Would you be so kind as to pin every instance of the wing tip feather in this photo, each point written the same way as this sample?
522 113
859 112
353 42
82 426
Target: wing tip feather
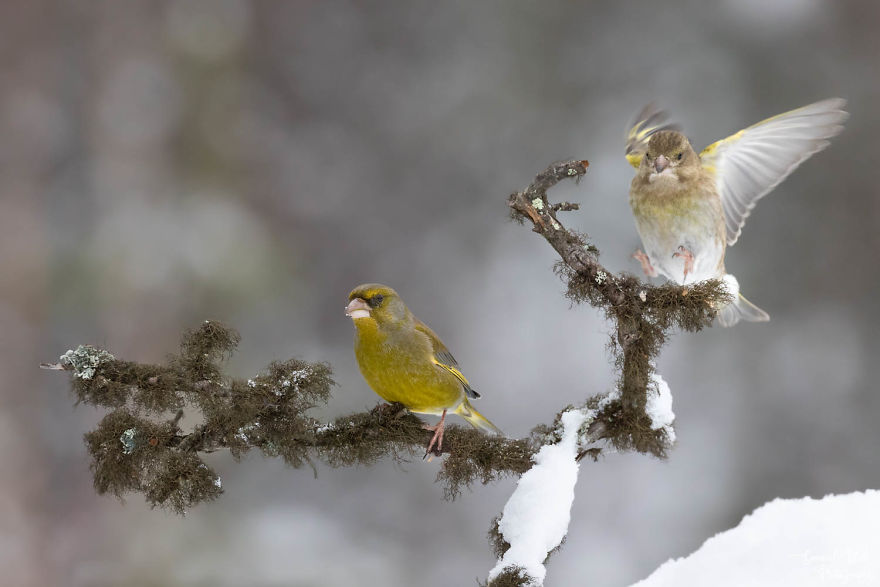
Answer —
824 119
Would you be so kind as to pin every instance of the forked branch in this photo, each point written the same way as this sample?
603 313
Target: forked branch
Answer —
140 447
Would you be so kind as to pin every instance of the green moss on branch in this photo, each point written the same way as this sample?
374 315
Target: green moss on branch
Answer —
139 446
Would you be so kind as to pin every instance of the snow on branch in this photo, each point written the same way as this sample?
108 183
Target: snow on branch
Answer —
659 407
535 519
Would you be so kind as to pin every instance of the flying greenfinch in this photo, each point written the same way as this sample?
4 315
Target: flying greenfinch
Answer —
689 208
404 361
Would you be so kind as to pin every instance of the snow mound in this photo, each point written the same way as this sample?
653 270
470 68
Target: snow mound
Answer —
805 542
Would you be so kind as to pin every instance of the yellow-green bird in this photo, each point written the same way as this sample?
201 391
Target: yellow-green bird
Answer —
689 208
404 361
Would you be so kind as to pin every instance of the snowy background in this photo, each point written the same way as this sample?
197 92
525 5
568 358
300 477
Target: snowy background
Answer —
167 162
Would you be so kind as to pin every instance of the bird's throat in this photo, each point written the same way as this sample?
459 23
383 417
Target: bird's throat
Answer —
666 176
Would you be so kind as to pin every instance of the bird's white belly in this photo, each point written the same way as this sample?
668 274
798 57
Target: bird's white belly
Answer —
708 253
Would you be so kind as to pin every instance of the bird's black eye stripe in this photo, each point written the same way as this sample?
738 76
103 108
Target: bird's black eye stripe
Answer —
679 156
375 300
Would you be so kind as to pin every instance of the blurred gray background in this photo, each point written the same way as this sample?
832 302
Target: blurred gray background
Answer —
167 162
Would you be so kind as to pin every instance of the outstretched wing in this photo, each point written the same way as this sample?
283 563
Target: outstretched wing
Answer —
749 164
647 122
444 359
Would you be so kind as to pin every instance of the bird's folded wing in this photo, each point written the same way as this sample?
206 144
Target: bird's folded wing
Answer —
647 122
444 359
747 165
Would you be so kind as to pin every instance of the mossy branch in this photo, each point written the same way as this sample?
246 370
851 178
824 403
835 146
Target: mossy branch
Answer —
643 314
139 446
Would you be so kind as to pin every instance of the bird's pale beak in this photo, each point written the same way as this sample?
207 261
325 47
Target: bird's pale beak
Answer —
660 163
357 308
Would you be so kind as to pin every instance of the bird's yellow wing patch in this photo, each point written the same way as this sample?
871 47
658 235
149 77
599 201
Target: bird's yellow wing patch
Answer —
444 359
748 164
458 374
649 121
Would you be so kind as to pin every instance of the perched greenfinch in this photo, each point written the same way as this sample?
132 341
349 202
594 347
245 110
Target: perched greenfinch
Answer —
404 361
689 208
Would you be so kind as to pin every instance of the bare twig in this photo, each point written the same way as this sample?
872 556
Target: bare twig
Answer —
532 203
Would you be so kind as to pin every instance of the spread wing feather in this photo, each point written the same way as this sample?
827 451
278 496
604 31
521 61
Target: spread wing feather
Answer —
444 359
750 163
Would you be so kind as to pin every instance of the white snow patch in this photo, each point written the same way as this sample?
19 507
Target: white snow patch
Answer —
659 406
613 395
731 283
805 542
536 517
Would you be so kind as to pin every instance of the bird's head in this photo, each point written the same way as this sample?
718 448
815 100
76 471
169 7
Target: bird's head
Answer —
374 301
668 154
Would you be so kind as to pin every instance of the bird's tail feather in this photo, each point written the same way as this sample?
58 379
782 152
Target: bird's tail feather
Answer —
741 309
475 418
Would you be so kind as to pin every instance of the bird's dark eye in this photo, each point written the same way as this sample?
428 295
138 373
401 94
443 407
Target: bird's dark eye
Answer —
375 301
647 155
679 156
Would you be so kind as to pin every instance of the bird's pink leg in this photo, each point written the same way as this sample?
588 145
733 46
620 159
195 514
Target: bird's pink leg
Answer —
646 263
688 260
438 434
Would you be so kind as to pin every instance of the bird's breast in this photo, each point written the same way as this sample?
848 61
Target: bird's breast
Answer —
399 368
690 217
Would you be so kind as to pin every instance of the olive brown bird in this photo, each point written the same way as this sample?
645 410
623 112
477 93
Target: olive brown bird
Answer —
689 208
404 361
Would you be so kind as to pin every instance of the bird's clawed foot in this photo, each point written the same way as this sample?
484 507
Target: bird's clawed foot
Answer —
437 438
646 263
688 260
